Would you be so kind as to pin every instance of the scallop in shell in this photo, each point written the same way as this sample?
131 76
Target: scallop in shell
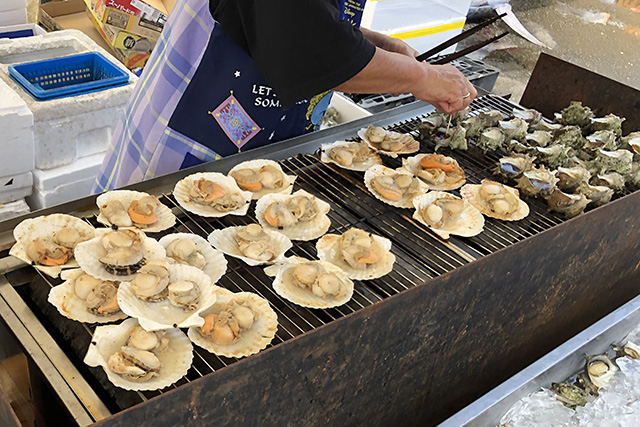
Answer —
191 249
394 187
251 243
299 216
262 177
237 325
126 208
139 369
388 142
362 255
212 194
437 171
49 242
495 200
356 156
447 214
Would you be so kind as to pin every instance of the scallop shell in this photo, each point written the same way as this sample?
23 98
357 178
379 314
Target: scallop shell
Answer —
176 359
328 248
216 262
472 221
412 164
154 316
42 226
372 160
225 240
413 147
257 164
166 218
304 296
254 339
378 170
302 230
64 298
89 253
470 193
181 193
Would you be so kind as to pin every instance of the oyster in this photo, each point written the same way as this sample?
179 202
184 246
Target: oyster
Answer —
212 194
609 122
613 180
394 187
570 178
600 369
539 138
484 119
554 156
545 125
513 166
575 114
537 182
604 139
251 243
437 171
598 195
571 395
569 205
616 161
583 381
429 125
631 142
356 156
495 200
632 179
569 136
125 208
262 177
456 140
193 250
631 350
388 142
447 214
530 116
514 129
516 147
491 139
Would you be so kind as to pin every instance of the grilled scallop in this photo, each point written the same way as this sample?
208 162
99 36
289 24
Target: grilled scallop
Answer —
262 177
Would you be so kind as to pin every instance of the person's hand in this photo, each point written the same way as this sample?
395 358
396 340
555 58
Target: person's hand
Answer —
446 88
391 44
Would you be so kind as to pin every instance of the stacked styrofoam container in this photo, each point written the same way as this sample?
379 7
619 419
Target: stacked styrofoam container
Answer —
70 134
13 12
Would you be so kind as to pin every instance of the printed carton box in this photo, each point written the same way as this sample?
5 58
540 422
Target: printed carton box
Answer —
144 19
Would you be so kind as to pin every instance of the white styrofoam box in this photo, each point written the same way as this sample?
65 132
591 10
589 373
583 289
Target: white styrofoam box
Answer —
15 187
35 29
13 209
81 169
13 16
16 137
61 194
12 4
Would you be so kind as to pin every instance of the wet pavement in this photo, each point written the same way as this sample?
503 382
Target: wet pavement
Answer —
599 35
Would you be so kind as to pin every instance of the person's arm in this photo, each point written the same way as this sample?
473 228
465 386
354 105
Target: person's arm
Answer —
390 44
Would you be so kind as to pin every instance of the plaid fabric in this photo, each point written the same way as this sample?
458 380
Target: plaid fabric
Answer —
143 146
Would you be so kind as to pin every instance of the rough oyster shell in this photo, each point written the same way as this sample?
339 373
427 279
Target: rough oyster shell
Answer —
569 136
288 180
538 182
429 125
166 218
575 114
407 143
513 166
416 188
308 230
485 119
252 340
46 227
358 164
631 142
456 139
216 264
553 156
183 187
450 180
570 178
225 240
471 193
608 122
88 254
64 298
491 139
599 194
604 139
540 138
469 222
616 161
175 360
530 116
613 180
154 316
569 205
515 128
545 125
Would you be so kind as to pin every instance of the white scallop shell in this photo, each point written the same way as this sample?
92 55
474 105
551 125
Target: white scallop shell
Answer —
252 340
414 147
64 298
44 226
302 230
470 193
328 248
304 296
257 164
372 160
225 240
412 164
216 264
175 360
166 218
181 193
471 220
154 316
379 170
89 253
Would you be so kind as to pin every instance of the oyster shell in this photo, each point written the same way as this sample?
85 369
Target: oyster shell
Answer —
264 246
600 369
539 138
495 200
484 119
388 142
437 171
515 128
604 139
598 195
632 179
616 161
215 264
569 136
545 125
575 114
568 204
571 395
237 325
394 187
537 182
513 166
609 122
530 116
571 178
515 147
262 177
554 156
446 214
613 180
174 361
49 242
362 255
212 194
356 156
456 140
123 207
491 139
631 142
430 124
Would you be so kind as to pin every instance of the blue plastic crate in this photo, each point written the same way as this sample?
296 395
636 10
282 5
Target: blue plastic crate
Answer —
67 76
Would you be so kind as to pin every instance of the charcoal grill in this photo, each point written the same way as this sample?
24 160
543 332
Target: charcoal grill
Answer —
452 320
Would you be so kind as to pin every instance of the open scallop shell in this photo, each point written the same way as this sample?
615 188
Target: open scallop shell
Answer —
413 147
304 296
64 298
182 188
216 264
175 360
253 339
225 240
257 164
302 230
471 221
371 160
166 218
89 253
154 316
46 226
328 248
457 177
469 192
404 202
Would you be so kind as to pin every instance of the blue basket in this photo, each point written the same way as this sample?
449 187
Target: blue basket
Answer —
67 76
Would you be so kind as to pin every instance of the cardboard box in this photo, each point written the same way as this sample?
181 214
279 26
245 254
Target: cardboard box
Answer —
145 19
119 39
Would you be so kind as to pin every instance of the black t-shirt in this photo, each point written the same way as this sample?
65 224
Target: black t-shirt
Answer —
299 46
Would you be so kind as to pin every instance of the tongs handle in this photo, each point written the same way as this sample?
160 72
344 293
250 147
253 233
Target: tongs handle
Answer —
468 50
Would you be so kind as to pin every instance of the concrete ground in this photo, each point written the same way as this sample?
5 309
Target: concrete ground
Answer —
600 35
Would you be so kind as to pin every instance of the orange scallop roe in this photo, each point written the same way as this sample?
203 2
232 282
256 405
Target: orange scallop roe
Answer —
431 163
